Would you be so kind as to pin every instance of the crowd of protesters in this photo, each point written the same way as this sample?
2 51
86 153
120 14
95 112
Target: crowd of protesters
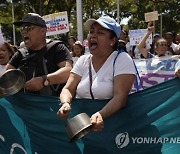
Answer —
171 40
108 72
167 45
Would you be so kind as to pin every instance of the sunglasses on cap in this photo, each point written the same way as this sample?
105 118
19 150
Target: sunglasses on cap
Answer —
27 28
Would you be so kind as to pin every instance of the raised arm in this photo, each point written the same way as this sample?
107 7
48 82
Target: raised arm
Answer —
142 44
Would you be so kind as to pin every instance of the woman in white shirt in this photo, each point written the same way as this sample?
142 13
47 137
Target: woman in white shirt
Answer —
6 52
96 71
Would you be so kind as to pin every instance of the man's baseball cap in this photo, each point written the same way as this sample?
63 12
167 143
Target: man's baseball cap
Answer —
106 22
32 18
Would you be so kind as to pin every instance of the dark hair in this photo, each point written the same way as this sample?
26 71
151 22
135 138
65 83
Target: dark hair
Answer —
79 44
112 35
72 37
10 48
169 33
125 32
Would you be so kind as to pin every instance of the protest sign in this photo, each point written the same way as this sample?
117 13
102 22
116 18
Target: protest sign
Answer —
151 16
135 36
57 23
155 70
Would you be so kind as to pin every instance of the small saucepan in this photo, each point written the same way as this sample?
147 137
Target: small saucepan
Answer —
78 126
11 82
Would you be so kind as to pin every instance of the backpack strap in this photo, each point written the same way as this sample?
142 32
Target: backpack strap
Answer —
50 45
26 57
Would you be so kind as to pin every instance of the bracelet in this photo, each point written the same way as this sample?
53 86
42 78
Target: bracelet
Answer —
65 102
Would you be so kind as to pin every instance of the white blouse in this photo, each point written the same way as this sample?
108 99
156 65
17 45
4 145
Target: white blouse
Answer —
2 69
102 81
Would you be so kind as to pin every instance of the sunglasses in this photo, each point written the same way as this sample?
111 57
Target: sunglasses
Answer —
27 28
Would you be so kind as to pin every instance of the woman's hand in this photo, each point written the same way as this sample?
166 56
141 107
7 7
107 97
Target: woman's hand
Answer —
97 122
150 27
63 112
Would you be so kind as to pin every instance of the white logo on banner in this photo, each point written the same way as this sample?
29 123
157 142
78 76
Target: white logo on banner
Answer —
122 140
15 145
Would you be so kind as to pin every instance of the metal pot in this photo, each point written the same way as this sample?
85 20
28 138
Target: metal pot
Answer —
11 82
78 126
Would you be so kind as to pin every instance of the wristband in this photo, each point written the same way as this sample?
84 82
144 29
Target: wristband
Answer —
67 102
64 103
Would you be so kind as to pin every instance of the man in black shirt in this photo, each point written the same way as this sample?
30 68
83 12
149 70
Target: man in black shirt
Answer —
45 67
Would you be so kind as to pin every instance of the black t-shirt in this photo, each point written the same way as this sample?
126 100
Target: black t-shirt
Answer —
31 62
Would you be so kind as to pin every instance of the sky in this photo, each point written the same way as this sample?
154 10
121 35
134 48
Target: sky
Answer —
124 21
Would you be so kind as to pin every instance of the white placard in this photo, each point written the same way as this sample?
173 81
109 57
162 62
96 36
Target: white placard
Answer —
151 16
57 23
135 36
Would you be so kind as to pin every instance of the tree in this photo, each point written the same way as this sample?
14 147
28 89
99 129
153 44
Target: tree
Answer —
169 9
93 9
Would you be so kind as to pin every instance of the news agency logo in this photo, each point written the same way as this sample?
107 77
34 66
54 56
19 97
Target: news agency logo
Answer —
122 140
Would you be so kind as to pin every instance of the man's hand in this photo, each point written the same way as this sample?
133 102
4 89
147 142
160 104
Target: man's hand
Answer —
35 84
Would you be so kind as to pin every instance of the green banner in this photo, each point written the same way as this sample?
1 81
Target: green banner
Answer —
148 124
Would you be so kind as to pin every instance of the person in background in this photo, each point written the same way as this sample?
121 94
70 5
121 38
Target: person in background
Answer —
123 40
46 70
160 46
77 51
173 49
122 45
124 36
71 41
177 39
85 44
6 52
156 37
96 72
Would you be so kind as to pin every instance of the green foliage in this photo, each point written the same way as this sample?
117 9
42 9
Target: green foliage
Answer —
94 9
